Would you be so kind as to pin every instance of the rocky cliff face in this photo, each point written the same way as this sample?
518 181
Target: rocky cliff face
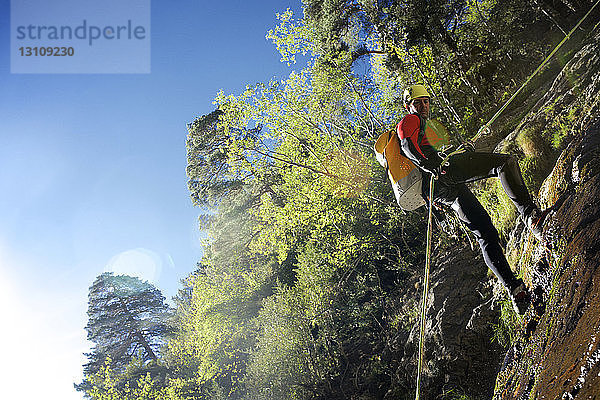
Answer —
558 354
557 351
460 355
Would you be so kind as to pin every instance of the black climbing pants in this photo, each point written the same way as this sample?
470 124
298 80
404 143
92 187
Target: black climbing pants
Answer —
451 190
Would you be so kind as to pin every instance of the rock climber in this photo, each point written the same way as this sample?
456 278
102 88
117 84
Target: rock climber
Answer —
450 188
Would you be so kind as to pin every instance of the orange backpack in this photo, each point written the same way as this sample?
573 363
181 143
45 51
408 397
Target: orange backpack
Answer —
405 177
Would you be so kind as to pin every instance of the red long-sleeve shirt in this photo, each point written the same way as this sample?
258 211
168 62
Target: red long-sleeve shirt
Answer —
420 150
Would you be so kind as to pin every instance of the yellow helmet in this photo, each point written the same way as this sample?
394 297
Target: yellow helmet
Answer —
414 91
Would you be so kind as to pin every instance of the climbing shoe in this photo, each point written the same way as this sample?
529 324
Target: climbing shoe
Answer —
521 298
535 222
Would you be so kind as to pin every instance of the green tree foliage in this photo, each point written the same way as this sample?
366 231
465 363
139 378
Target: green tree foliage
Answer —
472 53
290 300
299 292
128 322
216 323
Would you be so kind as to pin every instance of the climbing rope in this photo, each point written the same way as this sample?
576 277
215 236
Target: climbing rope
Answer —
558 46
425 288
423 320
446 157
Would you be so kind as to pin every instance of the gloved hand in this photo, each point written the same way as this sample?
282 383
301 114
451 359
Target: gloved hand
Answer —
468 146
438 171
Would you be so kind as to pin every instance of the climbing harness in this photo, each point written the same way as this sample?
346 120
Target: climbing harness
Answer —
446 157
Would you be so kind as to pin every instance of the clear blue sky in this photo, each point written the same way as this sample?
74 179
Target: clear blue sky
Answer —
92 177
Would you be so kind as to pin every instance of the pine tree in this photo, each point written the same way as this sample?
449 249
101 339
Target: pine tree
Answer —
128 323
